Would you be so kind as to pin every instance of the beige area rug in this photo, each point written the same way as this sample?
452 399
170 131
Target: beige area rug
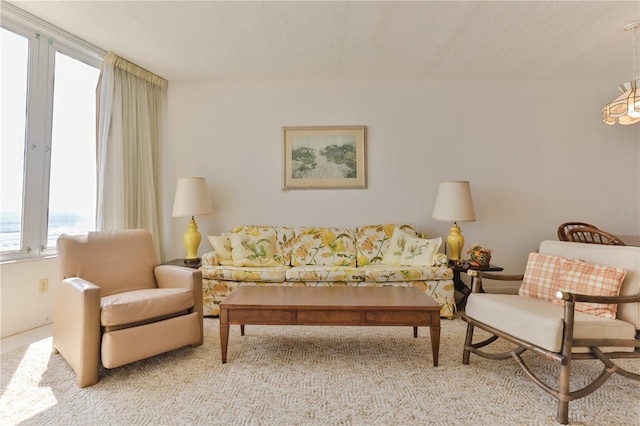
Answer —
303 376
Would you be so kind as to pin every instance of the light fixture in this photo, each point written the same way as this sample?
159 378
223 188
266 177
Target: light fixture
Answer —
625 109
192 199
454 203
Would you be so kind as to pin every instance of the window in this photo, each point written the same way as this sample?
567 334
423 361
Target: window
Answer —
48 131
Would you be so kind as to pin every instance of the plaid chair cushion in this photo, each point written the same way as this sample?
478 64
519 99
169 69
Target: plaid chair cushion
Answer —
541 276
545 275
586 278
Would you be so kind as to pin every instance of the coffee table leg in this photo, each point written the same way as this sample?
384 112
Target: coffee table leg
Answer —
242 329
224 333
435 342
415 332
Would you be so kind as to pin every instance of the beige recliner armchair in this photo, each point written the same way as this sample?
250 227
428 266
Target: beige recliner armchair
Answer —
116 305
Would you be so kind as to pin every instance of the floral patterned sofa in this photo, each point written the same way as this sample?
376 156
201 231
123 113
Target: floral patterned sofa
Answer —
367 256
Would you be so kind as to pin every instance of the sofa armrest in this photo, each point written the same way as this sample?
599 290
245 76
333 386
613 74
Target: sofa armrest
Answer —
76 328
172 276
478 276
210 259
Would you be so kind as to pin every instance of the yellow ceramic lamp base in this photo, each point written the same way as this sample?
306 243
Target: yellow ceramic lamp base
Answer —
455 242
192 240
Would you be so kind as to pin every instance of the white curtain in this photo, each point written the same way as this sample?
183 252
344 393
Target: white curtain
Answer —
131 108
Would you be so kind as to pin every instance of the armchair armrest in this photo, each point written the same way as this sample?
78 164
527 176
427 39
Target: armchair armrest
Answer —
76 327
577 297
570 300
172 276
477 276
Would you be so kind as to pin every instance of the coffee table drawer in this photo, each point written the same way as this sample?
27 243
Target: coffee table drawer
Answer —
399 317
260 316
329 317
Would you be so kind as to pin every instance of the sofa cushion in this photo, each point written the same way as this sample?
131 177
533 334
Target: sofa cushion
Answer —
372 241
306 273
245 273
141 305
587 278
322 246
387 273
420 251
540 322
393 253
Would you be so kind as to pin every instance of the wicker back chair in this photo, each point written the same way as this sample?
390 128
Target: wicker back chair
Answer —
561 334
593 236
565 227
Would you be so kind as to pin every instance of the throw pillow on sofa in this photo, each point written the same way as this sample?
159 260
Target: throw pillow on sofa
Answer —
372 241
396 246
250 250
420 252
222 246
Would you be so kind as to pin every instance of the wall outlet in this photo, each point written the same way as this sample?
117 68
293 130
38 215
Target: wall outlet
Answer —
43 285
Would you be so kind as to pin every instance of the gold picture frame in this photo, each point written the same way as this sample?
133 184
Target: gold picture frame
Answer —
324 157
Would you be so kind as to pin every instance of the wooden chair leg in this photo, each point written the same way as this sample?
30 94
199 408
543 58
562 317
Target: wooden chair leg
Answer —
562 416
466 354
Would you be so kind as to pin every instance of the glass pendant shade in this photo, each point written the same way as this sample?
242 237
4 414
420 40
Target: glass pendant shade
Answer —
625 109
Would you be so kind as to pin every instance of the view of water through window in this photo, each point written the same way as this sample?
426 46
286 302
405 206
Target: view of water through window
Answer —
71 200
13 85
72 186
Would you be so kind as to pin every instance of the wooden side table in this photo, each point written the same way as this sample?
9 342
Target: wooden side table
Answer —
460 286
180 262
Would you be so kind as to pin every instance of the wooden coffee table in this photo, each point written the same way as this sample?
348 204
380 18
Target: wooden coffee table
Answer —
368 306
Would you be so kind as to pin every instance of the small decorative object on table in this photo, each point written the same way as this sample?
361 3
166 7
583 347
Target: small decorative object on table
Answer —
479 255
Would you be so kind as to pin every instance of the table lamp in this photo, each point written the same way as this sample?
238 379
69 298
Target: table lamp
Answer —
454 203
192 199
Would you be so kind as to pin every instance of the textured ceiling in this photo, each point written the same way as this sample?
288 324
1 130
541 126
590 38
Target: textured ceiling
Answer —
241 40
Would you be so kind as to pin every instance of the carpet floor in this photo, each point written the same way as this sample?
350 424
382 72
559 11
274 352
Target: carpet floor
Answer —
305 376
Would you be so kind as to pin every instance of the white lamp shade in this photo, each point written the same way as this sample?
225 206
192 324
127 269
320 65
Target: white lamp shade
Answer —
454 202
192 198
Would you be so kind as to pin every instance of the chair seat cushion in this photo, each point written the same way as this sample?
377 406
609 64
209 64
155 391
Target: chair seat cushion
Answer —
141 305
540 322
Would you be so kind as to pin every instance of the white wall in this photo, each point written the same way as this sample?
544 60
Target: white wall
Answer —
536 152
22 306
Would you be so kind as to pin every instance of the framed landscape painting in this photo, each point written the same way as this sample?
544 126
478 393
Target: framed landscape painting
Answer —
326 157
